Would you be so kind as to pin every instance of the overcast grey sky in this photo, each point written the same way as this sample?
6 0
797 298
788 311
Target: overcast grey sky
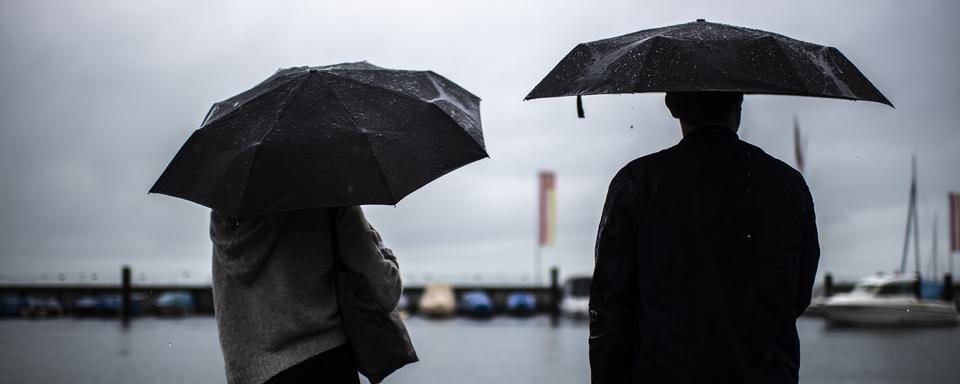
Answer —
97 96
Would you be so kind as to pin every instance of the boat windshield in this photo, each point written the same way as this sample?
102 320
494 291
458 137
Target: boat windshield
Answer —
888 289
579 287
865 288
897 289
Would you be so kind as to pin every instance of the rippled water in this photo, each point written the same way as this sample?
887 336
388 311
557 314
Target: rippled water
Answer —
501 350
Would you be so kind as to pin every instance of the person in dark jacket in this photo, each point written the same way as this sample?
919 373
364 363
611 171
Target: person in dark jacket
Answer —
706 254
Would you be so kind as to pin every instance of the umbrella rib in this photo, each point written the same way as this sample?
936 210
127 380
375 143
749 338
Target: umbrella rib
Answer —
264 92
433 75
455 123
388 90
256 150
646 60
283 108
401 94
793 66
383 177
409 97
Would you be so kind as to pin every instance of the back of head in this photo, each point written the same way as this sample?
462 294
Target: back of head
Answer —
704 108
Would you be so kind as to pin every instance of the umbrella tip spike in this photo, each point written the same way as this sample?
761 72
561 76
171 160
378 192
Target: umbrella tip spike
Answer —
701 20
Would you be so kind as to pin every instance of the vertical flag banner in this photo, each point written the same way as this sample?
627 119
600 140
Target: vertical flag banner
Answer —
548 208
954 222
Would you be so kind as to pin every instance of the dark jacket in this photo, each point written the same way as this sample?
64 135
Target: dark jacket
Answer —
706 254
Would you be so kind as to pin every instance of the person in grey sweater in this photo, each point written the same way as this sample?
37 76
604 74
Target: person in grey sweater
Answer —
274 293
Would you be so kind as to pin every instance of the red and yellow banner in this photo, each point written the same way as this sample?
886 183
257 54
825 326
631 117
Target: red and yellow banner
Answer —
548 208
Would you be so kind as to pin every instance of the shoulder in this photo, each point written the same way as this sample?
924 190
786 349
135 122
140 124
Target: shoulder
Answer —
351 222
637 170
774 166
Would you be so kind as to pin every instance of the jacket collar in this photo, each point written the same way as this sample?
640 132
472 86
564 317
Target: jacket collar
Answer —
709 133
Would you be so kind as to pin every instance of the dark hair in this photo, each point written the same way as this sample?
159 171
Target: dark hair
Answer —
703 107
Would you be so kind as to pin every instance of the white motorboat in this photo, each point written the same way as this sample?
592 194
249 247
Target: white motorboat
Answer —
576 297
888 301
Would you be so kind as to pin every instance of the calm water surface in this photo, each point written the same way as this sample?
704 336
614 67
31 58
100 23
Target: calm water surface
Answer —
501 350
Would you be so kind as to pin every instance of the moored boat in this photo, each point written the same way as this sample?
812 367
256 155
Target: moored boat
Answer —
521 304
576 297
888 301
476 303
175 303
437 301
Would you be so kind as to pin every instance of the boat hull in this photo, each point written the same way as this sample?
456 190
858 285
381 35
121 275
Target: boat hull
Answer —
905 314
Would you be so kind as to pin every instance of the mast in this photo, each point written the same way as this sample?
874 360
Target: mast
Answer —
911 208
954 228
916 221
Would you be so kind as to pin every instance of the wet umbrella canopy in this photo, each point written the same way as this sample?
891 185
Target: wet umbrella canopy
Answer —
702 57
338 135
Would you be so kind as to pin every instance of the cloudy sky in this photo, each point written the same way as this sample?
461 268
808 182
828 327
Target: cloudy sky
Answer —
96 97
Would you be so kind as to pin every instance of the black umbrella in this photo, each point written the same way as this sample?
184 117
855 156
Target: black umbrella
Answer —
704 57
338 135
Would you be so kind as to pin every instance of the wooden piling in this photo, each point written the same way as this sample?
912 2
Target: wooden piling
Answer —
918 286
827 284
554 295
948 290
125 288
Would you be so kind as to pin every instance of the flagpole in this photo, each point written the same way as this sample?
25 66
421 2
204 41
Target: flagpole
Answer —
935 246
538 244
537 264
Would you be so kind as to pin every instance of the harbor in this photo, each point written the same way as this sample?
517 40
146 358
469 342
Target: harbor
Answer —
126 300
409 192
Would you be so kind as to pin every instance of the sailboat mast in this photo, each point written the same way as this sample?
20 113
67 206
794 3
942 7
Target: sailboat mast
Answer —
916 220
911 206
953 227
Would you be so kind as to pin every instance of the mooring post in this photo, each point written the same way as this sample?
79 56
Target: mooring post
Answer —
125 287
948 293
827 285
918 286
554 295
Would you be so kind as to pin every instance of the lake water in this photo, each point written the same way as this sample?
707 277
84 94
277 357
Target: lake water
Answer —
464 351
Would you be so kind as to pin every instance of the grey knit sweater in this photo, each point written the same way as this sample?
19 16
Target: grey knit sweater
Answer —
273 286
